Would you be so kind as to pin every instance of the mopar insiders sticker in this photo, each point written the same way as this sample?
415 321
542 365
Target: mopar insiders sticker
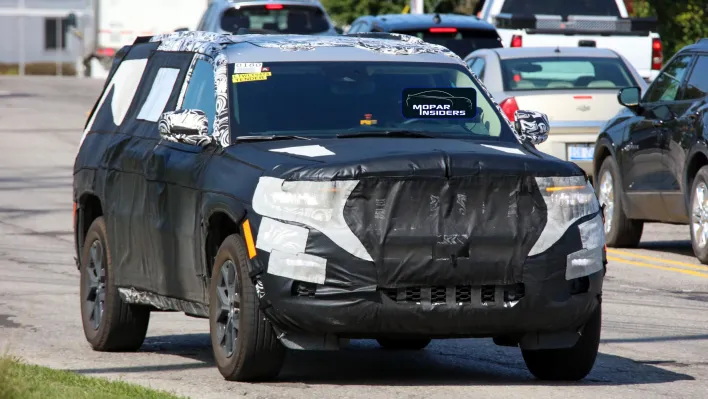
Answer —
448 103
249 77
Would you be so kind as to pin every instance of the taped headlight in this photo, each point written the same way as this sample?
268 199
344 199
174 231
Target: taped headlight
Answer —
315 204
567 200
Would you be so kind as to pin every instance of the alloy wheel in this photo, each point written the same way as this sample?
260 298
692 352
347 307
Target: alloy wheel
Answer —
227 318
96 293
607 198
699 215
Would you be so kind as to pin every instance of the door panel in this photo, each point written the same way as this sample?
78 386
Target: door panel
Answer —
174 172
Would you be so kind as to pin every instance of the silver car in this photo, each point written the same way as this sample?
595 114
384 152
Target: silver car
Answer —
304 17
576 87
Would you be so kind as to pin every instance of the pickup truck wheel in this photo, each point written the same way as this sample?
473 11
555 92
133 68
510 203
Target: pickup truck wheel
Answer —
620 231
244 344
571 364
403 344
109 323
699 215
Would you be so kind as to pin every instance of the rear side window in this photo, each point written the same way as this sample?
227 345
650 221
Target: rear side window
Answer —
566 73
275 18
562 7
697 85
460 41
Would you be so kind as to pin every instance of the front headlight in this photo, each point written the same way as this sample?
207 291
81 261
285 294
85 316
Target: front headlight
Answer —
319 205
567 200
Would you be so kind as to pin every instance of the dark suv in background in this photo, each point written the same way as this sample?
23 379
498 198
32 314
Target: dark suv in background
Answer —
461 34
651 159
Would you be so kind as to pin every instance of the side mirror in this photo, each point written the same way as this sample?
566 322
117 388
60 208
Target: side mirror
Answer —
629 97
533 127
339 30
188 126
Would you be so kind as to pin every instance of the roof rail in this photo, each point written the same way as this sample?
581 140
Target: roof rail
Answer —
705 39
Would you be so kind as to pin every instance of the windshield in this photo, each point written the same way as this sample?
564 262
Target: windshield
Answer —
565 73
293 19
562 7
459 41
323 99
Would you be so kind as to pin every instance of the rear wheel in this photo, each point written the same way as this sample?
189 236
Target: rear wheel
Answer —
243 341
620 231
404 344
109 323
699 215
569 364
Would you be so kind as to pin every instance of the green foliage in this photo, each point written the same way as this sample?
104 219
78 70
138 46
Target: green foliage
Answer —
343 12
23 381
681 22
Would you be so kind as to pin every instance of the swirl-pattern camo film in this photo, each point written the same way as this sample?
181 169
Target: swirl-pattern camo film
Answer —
533 126
192 119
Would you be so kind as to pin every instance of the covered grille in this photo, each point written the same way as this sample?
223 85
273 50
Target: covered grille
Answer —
486 295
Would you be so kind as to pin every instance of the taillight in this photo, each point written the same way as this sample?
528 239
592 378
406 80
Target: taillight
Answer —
516 41
657 57
443 30
509 107
274 6
106 52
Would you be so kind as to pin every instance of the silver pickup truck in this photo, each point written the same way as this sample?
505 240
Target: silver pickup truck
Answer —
590 23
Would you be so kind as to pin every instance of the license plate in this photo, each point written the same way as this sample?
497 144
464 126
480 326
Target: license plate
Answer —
581 152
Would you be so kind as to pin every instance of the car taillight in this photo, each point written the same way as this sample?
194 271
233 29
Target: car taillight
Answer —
274 6
106 52
657 57
443 30
516 41
509 107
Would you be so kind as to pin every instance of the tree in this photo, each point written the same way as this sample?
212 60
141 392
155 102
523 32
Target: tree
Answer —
681 22
343 12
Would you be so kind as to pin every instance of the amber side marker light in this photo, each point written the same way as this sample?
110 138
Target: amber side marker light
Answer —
248 236
554 189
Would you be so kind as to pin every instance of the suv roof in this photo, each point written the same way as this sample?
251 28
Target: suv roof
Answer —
293 48
700 44
421 21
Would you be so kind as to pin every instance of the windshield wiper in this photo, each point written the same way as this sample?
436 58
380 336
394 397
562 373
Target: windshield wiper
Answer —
270 137
386 133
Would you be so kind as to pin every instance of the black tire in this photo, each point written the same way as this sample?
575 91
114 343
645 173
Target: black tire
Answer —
701 179
257 355
623 232
571 364
121 327
404 344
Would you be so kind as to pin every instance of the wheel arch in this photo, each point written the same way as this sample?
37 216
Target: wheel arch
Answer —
696 159
604 148
222 216
89 207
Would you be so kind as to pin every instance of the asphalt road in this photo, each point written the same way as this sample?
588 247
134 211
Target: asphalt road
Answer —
655 327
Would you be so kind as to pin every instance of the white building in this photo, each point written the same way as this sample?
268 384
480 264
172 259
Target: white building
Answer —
35 31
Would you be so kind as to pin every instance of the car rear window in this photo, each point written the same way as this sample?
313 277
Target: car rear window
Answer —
459 41
562 7
565 73
276 18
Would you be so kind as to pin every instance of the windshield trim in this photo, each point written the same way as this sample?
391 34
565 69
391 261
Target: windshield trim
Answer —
506 134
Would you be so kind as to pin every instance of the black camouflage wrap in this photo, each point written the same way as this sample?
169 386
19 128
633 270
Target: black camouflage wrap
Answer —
443 224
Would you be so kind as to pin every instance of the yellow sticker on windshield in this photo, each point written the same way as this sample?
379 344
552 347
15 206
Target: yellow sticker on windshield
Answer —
249 77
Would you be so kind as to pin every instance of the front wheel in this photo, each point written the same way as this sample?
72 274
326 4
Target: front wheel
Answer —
243 341
570 364
620 231
699 215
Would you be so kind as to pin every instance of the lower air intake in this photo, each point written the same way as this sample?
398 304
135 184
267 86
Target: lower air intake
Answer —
485 295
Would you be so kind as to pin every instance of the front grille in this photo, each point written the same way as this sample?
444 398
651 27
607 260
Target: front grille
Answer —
485 295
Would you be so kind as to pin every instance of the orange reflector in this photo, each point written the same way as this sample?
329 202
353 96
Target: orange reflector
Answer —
552 189
74 212
249 239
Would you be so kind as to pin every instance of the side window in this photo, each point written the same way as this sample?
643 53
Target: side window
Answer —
160 93
201 92
697 85
478 67
667 84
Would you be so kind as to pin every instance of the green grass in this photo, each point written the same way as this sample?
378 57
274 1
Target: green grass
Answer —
23 381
